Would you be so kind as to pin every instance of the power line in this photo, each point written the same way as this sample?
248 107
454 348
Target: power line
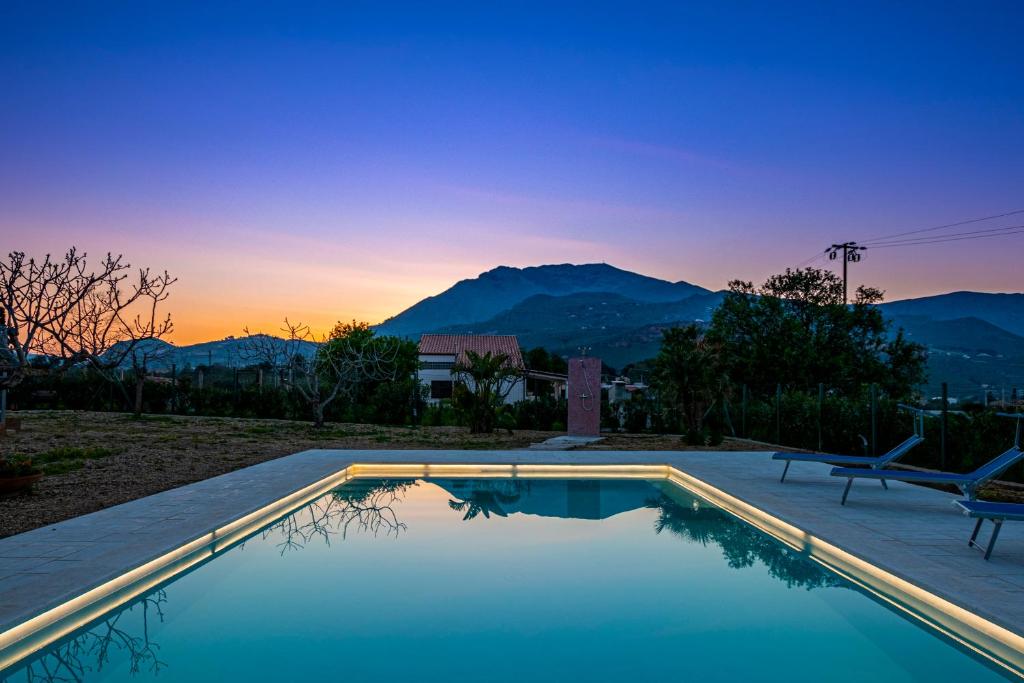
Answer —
850 250
950 234
808 261
941 240
943 227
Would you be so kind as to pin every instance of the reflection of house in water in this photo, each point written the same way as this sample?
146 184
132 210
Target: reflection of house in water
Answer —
574 498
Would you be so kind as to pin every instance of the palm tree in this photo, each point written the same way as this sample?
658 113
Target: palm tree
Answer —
483 383
484 500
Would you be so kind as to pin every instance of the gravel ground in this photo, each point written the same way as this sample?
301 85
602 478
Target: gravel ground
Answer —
160 452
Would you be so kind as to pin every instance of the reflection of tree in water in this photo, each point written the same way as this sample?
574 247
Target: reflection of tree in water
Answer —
488 498
742 545
92 650
360 505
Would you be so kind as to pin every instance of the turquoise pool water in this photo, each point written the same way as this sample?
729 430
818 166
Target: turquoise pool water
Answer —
506 580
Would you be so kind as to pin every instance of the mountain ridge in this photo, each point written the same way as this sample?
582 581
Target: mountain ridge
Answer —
973 337
499 289
1005 310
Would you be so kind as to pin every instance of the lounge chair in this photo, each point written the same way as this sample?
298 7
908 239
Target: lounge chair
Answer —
878 462
968 483
997 513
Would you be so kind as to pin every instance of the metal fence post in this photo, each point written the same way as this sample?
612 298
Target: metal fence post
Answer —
821 402
778 414
743 412
874 419
945 420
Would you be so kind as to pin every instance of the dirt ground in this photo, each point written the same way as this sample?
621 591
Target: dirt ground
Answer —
95 460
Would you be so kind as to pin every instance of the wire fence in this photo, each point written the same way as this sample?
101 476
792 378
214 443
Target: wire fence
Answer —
958 437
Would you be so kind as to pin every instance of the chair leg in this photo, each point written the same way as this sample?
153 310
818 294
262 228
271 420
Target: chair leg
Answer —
993 537
785 470
884 485
846 491
974 536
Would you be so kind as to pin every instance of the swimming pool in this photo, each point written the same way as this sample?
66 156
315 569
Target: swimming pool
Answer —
502 579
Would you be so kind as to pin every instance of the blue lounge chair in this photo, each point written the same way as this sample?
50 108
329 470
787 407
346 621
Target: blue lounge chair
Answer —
997 513
878 462
968 483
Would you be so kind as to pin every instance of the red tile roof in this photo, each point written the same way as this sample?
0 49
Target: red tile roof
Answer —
457 345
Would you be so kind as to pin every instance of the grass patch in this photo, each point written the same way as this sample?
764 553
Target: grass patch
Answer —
62 467
260 429
72 453
166 419
66 459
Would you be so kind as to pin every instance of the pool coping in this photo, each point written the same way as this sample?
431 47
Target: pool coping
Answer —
60 564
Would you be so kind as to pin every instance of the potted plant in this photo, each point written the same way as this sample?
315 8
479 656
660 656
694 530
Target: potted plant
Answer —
17 472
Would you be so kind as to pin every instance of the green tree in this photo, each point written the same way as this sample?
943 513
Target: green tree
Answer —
688 375
341 365
797 331
483 382
539 358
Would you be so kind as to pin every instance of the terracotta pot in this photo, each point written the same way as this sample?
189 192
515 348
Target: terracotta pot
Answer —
12 484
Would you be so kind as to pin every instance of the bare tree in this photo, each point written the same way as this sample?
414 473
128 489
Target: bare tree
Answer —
117 320
93 650
143 357
322 369
350 508
62 314
37 297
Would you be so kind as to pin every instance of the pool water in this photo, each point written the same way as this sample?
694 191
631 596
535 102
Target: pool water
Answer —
507 580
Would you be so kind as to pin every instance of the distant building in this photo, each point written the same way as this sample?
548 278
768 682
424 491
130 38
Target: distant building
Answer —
440 352
621 389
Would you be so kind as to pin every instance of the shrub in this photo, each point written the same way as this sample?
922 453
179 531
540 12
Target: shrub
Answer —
17 465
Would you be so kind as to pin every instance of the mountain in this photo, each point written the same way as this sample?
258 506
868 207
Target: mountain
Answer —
967 353
1003 310
617 328
483 297
228 352
973 338
967 335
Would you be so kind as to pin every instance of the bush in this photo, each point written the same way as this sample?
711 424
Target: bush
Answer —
439 415
17 466
541 413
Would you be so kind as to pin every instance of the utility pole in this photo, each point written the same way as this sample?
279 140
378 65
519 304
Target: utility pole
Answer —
851 254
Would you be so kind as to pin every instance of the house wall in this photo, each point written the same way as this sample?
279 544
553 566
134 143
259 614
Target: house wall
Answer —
432 371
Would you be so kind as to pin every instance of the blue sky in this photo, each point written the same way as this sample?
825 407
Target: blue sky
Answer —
348 159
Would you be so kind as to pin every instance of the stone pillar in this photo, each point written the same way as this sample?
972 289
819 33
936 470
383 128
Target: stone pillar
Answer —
584 393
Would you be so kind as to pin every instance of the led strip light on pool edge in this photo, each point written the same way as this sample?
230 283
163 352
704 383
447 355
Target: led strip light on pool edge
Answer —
991 641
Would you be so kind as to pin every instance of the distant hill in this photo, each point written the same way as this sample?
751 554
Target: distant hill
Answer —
483 297
618 329
1003 310
969 335
973 338
227 352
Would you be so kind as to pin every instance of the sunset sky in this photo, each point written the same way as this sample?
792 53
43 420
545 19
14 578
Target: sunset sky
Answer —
346 160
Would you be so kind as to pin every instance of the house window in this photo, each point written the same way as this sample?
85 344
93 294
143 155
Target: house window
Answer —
436 365
440 388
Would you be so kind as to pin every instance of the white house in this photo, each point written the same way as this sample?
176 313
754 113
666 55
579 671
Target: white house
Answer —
439 352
